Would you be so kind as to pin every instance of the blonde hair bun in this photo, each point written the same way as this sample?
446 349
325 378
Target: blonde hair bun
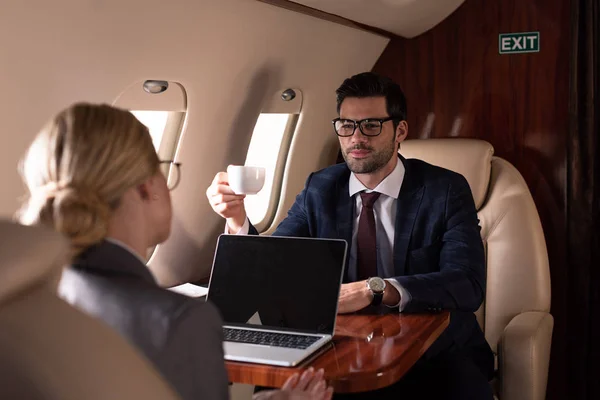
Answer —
81 215
80 165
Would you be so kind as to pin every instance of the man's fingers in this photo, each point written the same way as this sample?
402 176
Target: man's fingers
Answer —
220 178
220 184
226 198
214 190
229 208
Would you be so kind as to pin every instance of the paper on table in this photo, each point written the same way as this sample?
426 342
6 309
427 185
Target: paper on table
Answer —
190 290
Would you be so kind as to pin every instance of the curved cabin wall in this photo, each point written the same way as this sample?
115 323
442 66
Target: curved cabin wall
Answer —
229 55
406 18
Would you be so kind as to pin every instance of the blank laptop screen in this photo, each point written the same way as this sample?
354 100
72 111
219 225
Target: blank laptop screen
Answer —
292 283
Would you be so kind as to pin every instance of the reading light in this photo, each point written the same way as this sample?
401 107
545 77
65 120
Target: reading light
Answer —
288 95
155 87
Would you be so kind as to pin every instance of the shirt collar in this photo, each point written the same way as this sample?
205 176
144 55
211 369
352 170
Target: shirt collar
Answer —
125 247
389 186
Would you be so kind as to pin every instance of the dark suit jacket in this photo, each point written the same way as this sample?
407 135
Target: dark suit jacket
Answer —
181 336
438 251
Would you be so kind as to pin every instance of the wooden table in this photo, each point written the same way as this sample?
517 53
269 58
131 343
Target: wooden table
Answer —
368 352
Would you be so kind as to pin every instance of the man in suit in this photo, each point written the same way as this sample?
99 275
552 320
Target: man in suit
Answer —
413 224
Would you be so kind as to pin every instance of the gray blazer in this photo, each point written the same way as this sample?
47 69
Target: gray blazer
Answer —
181 336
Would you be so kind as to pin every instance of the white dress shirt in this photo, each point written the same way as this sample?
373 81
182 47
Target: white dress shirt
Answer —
384 210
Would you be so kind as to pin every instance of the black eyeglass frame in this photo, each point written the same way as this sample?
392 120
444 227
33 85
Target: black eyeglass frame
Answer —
178 166
359 124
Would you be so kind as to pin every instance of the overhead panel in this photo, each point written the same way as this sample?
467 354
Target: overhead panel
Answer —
406 18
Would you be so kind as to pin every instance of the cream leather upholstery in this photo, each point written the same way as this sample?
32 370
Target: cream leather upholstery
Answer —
515 315
48 349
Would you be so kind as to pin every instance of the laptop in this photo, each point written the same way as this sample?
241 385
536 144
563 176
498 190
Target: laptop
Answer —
278 296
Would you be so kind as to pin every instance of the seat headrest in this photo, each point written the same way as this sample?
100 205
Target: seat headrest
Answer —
471 158
28 257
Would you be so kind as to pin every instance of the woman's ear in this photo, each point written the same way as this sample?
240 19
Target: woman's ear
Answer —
145 190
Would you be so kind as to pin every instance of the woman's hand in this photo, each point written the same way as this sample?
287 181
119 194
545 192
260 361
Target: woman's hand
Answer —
309 385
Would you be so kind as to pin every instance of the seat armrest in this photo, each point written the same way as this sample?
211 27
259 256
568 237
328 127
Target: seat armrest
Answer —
524 355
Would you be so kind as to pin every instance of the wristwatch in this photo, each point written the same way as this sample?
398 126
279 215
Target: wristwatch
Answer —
377 287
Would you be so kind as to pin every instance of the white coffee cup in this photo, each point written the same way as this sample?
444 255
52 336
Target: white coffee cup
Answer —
245 180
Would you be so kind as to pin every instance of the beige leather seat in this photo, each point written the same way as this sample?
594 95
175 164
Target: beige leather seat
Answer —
48 349
515 316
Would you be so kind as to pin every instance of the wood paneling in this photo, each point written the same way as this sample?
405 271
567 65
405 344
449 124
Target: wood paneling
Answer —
457 84
368 352
583 202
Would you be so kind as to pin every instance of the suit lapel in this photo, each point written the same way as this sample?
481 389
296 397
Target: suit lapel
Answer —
407 208
111 259
344 214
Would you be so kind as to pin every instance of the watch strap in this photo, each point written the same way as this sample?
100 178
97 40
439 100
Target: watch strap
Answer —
377 298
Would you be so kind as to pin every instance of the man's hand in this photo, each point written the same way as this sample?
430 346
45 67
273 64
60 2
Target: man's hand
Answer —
353 297
356 296
309 386
226 203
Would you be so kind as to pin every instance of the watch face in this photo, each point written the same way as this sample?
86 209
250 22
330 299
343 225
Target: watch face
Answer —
376 284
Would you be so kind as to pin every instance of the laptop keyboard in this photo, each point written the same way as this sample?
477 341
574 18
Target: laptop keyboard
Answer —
269 338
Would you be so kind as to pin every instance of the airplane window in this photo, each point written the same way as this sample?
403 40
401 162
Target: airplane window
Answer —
164 127
156 121
268 148
164 113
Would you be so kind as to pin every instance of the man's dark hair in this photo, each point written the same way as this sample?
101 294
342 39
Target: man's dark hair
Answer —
370 84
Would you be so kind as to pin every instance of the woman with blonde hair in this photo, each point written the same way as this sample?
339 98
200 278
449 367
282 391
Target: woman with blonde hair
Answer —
94 176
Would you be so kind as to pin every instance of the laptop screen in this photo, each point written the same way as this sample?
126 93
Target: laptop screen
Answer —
278 282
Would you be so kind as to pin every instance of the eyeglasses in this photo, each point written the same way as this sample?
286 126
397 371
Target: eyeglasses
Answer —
171 183
368 126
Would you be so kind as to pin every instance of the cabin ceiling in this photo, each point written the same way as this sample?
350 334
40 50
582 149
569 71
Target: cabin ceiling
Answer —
406 18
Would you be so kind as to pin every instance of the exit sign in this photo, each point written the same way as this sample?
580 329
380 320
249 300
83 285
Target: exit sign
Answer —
525 42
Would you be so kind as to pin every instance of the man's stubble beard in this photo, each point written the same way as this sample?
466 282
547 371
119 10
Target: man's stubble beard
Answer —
376 161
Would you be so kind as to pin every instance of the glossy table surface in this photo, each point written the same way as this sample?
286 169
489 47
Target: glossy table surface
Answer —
368 352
